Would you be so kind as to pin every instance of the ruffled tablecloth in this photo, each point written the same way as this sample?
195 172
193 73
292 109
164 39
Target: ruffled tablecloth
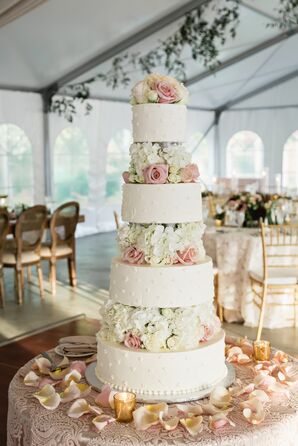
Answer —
236 251
29 424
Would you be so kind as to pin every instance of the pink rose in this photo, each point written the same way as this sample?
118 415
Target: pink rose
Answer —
188 257
190 173
133 255
211 329
156 174
167 94
125 177
132 341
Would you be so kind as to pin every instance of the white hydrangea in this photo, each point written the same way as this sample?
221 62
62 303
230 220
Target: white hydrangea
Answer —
160 243
158 328
147 153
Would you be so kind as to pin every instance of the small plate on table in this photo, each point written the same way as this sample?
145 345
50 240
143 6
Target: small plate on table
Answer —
60 352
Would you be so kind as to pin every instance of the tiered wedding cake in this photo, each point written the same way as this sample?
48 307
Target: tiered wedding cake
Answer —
160 336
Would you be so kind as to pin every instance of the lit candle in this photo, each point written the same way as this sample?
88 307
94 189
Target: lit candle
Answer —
278 183
261 350
125 403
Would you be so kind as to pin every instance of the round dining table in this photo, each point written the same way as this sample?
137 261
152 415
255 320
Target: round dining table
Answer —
235 251
29 424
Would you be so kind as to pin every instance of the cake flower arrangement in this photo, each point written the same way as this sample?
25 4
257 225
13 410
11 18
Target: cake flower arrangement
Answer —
162 244
156 88
160 163
158 329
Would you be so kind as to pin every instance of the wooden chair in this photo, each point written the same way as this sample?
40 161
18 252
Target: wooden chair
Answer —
4 227
62 245
24 249
280 268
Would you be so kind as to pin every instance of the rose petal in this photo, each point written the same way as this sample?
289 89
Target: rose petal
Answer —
290 372
278 388
260 394
169 424
243 359
45 381
42 364
263 382
157 408
103 398
78 408
190 409
73 375
95 409
246 347
220 397
247 389
48 397
219 420
79 366
74 391
101 421
210 409
64 363
193 425
59 374
253 410
31 379
280 357
143 419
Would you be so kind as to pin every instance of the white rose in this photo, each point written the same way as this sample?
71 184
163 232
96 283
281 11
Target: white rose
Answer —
139 92
174 178
152 96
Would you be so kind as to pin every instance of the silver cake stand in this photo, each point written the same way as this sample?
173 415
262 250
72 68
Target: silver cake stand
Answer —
93 381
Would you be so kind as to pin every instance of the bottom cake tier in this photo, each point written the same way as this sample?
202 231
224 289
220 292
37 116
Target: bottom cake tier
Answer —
150 374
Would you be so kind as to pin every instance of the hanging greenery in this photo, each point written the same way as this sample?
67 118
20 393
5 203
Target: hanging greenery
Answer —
198 36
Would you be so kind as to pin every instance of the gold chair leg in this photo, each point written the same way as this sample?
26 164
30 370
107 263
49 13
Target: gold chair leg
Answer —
2 292
19 286
262 312
40 279
72 272
53 277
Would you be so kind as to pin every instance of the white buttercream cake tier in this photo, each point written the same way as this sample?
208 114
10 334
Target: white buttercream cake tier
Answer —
162 286
159 122
150 374
162 203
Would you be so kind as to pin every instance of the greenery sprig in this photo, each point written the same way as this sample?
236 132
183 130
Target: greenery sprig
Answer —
196 35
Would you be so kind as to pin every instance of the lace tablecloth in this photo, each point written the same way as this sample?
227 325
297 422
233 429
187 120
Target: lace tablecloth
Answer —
29 424
235 251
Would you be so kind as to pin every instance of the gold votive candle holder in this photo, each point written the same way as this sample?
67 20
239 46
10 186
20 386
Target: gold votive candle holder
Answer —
261 350
125 403
218 223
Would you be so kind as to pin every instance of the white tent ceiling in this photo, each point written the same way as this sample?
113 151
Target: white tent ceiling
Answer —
58 36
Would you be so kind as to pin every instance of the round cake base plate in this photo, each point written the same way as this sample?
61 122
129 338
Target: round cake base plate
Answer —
93 381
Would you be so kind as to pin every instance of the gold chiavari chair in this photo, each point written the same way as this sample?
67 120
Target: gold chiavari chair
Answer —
4 227
280 269
116 218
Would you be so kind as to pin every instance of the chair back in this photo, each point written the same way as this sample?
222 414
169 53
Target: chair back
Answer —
4 227
63 224
116 218
29 229
280 247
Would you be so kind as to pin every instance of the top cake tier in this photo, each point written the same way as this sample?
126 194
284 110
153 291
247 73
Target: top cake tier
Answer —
159 122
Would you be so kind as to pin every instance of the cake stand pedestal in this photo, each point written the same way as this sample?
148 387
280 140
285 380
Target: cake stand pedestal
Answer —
93 381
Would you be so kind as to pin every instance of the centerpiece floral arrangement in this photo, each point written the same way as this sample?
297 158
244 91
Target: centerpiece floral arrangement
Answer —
254 207
162 244
158 329
160 163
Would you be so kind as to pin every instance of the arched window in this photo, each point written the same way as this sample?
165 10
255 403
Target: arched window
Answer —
245 155
16 165
290 163
117 162
71 166
202 155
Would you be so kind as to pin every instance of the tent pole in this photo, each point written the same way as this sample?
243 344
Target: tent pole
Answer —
217 151
46 146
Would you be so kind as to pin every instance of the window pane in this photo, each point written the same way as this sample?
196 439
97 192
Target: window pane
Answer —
290 163
245 153
201 155
117 162
16 165
71 166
